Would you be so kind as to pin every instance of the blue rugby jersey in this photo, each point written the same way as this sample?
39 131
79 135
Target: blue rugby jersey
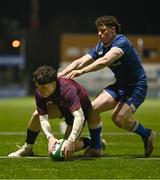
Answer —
127 69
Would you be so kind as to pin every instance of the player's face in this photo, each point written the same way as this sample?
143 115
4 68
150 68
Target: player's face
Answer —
106 34
46 89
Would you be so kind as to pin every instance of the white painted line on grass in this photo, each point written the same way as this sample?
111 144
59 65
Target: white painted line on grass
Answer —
79 158
58 133
26 157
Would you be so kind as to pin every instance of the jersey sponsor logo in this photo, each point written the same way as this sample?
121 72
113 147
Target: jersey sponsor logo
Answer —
100 52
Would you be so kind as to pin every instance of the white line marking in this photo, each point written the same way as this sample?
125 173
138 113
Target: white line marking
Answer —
104 133
26 157
78 158
12 133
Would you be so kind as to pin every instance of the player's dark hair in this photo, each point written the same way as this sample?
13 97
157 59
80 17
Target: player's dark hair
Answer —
109 21
44 75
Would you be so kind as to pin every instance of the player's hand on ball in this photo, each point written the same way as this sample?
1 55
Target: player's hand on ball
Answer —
68 149
51 142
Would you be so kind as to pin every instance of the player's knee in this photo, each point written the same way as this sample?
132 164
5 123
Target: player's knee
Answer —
35 116
34 121
35 113
118 120
94 107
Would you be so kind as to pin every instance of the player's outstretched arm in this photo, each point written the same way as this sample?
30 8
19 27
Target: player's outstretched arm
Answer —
76 64
106 60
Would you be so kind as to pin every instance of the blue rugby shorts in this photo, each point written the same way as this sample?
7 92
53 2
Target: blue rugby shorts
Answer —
133 95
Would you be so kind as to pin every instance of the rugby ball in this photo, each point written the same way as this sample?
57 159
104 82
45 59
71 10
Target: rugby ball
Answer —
56 152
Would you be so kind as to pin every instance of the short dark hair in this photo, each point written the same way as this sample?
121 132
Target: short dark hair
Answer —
44 75
108 21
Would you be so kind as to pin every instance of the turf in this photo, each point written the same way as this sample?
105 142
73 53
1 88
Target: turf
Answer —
123 156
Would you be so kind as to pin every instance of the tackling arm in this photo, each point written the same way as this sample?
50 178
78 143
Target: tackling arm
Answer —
111 56
76 64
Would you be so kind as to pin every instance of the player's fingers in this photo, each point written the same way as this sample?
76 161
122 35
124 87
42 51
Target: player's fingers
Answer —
66 77
69 76
67 155
49 150
72 75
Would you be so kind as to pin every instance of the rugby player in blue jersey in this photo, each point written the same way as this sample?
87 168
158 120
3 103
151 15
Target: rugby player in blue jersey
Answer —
55 98
129 90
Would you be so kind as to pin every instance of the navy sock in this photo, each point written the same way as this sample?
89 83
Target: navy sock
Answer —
31 136
95 135
142 131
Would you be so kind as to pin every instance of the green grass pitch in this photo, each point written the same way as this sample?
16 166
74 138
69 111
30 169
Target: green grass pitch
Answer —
123 156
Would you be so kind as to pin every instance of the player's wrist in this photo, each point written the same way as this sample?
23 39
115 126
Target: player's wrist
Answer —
71 140
49 135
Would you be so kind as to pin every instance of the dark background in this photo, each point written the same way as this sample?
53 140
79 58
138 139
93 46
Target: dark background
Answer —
78 16
41 22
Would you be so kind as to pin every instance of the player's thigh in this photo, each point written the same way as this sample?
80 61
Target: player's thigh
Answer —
53 111
103 102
